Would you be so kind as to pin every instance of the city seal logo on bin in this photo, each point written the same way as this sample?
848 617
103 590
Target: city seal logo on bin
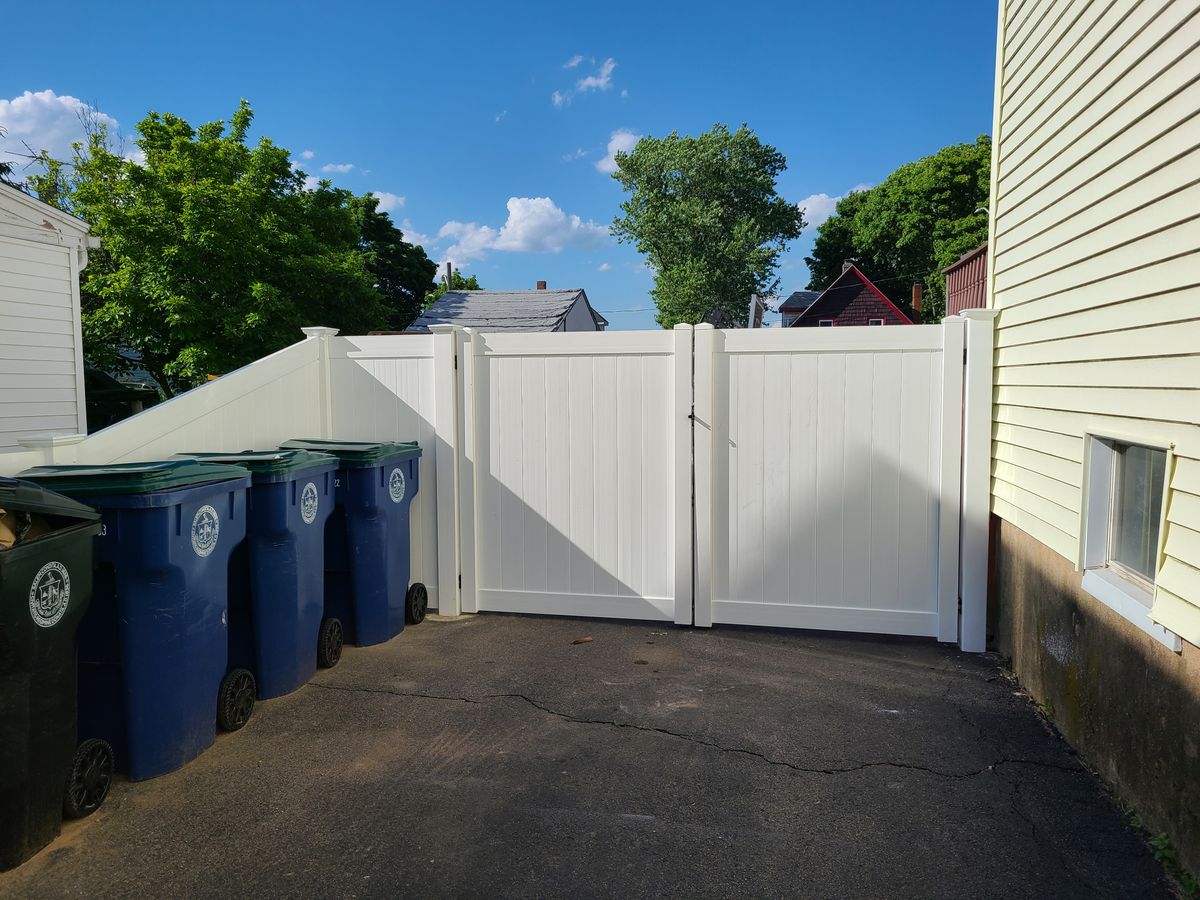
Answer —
396 485
206 526
309 503
49 594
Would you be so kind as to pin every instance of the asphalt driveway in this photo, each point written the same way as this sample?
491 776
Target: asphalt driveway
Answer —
490 756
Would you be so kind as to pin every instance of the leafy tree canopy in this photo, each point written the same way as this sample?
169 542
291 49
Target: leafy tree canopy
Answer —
457 283
705 213
212 252
402 273
908 228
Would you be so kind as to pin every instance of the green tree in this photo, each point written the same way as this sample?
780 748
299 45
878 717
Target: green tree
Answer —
212 252
403 274
920 219
457 283
705 213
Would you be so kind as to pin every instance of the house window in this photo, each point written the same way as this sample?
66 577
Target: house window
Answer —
825 323
874 321
1138 475
1125 486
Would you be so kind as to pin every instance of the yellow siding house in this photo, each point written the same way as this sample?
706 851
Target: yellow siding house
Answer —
1095 278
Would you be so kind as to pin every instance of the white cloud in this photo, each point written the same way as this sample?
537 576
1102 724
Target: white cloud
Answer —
601 81
622 141
534 225
136 156
337 167
579 153
307 154
501 115
624 93
46 121
415 237
603 267
819 207
573 61
471 240
311 182
388 202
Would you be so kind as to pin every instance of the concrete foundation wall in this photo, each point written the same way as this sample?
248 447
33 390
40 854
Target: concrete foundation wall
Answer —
1129 705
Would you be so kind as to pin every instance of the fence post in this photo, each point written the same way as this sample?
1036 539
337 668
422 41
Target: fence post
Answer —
470 349
950 482
58 449
684 475
976 477
704 344
445 404
321 334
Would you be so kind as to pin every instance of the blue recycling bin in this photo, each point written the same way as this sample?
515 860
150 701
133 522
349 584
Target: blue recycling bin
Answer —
153 646
367 561
277 626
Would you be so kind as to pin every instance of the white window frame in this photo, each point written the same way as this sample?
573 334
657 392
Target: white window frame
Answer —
874 321
1126 593
824 323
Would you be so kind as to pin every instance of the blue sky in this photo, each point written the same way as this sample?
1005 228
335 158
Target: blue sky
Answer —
485 126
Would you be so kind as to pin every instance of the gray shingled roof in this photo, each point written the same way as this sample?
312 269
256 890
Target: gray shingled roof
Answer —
501 310
799 300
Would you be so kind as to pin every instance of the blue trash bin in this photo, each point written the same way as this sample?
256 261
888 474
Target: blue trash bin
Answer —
277 627
153 645
367 563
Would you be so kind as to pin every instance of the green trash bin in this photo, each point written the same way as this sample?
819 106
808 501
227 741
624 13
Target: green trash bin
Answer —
45 589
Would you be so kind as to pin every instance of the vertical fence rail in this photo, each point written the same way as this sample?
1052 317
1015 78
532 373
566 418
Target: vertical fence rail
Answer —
702 435
684 473
445 450
950 488
976 476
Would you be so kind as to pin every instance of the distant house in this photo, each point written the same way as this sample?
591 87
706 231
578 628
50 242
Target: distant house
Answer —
796 303
42 252
536 310
966 281
851 300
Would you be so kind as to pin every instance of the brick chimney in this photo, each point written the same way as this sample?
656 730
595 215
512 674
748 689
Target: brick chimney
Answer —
917 294
541 285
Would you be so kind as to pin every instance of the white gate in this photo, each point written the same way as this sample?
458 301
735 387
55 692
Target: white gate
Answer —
575 474
827 477
809 478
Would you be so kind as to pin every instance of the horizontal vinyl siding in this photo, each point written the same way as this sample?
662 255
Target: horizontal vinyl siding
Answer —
37 341
1095 259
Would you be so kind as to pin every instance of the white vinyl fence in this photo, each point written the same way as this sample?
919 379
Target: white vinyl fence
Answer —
809 478
578 496
825 460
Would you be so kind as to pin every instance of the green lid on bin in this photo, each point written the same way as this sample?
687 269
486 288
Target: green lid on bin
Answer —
131 478
266 462
25 496
356 451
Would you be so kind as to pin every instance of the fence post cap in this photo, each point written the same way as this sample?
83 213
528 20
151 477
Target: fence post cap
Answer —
43 441
313 331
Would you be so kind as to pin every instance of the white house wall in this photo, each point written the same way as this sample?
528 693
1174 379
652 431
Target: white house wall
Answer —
1095 254
40 356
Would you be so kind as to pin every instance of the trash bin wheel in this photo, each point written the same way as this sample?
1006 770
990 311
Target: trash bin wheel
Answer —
416 603
235 700
89 779
329 643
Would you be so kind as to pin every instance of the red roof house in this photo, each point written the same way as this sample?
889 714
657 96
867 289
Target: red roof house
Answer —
966 281
851 300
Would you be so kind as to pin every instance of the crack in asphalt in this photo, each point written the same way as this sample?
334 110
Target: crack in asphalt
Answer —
707 742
